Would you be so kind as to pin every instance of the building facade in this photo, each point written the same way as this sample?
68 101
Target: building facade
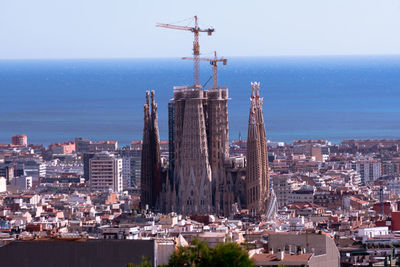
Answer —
198 147
105 172
19 140
370 170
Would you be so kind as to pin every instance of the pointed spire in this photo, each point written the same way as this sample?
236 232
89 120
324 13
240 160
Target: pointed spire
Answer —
252 117
153 103
252 91
147 98
257 85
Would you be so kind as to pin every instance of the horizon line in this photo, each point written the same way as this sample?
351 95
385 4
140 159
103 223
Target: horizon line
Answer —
174 57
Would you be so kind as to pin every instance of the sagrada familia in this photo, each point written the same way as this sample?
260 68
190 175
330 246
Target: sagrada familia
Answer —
201 177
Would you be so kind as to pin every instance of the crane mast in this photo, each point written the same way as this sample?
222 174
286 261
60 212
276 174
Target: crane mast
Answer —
196 45
214 62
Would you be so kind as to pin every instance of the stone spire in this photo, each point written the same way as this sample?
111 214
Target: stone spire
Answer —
145 170
151 156
155 151
257 178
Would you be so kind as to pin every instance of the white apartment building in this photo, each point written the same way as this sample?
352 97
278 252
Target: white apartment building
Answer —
3 184
282 185
370 170
105 172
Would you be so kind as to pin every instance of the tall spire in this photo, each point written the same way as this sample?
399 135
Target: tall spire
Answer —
151 157
155 151
145 170
257 178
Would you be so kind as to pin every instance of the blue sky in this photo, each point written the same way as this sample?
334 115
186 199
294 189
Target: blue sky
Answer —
126 28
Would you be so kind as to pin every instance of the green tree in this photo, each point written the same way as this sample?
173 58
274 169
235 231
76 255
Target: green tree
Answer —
145 263
199 254
229 254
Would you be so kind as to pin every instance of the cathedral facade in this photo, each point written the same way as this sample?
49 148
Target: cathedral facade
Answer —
202 177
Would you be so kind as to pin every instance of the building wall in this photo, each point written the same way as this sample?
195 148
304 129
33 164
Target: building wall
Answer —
282 188
105 173
325 251
19 140
97 253
23 182
103 146
126 172
395 221
86 169
369 170
301 196
3 184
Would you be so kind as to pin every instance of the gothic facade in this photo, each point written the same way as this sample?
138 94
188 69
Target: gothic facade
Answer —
202 177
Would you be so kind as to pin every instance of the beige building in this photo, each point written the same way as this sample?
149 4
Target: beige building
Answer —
19 140
299 249
105 172
282 185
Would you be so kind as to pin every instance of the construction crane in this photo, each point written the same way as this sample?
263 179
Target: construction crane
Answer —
196 46
214 62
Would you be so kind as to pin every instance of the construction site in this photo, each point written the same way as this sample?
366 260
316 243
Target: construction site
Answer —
202 178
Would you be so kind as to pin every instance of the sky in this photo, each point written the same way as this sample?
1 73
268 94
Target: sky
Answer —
52 29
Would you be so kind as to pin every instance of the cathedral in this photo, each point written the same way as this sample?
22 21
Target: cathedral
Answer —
202 178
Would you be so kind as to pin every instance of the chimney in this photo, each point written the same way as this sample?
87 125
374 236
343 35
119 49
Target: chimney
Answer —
281 255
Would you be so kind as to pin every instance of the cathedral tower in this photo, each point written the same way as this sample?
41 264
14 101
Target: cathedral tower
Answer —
257 177
151 156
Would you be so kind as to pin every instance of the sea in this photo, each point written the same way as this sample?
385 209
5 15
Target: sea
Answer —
333 98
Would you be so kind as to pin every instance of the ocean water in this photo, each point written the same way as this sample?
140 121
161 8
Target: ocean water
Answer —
332 98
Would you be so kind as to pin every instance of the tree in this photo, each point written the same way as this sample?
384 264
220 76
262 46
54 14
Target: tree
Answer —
201 255
229 254
145 263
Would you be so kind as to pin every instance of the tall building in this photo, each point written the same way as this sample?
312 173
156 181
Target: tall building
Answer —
257 177
192 167
198 146
370 170
86 167
3 184
82 145
105 172
131 166
151 156
7 171
19 140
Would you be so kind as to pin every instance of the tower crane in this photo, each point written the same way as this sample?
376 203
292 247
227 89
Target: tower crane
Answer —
214 62
196 46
